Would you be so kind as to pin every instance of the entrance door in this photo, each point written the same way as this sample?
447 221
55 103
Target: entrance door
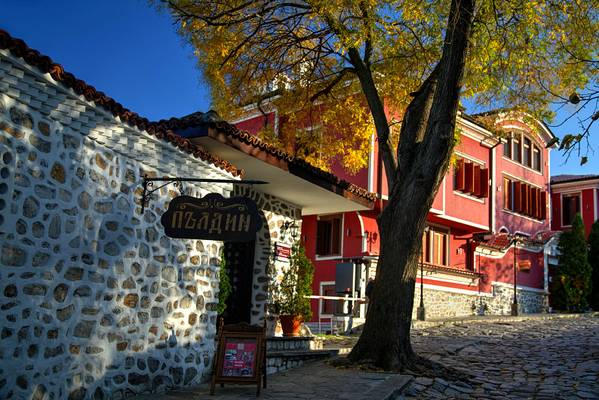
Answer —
239 257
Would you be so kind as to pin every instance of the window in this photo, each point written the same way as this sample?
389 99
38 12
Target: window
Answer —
435 247
507 147
523 149
471 178
527 153
517 152
570 207
536 159
524 199
328 235
327 306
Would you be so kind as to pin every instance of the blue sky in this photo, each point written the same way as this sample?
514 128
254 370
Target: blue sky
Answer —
131 51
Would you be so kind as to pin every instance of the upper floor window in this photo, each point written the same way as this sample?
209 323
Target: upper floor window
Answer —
471 178
523 150
328 235
435 246
570 207
524 199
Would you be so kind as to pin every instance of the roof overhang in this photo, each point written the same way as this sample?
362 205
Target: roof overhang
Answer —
286 180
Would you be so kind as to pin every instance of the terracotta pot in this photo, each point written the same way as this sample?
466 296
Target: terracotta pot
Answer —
291 324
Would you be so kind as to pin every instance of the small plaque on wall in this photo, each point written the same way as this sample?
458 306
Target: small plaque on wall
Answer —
282 252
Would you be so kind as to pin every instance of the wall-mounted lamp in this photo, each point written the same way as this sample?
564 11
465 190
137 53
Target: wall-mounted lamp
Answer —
289 227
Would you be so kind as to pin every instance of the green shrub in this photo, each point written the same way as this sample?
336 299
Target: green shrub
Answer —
289 296
594 261
224 285
572 283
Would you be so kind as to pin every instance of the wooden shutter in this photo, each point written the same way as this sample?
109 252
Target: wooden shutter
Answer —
460 175
525 197
336 237
508 204
484 182
469 172
543 210
517 197
477 183
534 194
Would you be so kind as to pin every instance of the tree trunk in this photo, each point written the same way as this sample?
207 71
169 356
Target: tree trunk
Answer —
426 145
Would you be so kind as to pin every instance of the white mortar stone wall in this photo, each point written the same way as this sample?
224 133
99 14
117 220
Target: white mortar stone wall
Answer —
95 301
444 304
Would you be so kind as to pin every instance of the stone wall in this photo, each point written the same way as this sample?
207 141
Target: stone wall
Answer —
528 301
444 304
266 268
95 301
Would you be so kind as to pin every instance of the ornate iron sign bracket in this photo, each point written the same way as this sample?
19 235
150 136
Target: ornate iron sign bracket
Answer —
148 185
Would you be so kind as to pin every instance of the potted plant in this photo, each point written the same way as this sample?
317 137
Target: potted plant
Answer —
289 296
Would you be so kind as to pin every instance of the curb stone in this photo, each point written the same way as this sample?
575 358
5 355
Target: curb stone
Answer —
388 390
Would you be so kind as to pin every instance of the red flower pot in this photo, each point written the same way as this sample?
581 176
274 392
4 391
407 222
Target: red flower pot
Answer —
290 324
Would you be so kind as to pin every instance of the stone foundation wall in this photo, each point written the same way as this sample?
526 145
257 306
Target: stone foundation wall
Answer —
95 301
442 304
528 301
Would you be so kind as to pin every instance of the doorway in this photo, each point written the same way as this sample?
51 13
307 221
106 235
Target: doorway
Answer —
239 258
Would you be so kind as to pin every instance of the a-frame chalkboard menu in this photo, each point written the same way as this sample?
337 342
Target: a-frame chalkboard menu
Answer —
240 356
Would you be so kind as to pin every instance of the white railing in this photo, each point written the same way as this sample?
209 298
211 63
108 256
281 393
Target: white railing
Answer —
338 322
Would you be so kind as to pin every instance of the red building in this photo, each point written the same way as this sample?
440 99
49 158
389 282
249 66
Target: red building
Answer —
488 228
571 195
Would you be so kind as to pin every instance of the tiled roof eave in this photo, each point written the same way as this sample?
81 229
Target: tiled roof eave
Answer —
19 48
246 138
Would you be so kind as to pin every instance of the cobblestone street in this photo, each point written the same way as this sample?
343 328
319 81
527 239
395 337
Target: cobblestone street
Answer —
543 358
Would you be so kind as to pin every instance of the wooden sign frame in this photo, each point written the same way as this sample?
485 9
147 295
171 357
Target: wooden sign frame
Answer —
232 356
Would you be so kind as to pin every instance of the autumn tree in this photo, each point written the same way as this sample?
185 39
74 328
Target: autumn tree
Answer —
380 60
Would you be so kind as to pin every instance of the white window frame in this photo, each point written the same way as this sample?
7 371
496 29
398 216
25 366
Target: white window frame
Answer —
341 232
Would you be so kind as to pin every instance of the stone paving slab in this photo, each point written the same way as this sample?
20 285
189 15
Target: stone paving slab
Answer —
316 380
523 358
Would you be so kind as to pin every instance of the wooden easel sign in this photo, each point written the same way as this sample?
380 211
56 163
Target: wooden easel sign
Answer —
240 356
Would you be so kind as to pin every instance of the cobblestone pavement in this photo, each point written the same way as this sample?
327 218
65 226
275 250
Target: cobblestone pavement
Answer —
545 358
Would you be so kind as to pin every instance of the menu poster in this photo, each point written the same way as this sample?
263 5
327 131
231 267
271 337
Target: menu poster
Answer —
240 357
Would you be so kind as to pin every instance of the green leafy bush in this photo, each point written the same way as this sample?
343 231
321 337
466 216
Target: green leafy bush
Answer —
594 261
572 283
225 287
289 296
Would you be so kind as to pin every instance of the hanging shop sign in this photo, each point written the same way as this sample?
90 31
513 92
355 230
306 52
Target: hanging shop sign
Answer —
213 217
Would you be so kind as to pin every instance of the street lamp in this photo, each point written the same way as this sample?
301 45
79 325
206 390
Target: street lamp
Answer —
515 302
420 312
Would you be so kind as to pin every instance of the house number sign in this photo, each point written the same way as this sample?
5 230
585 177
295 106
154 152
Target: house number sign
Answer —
213 217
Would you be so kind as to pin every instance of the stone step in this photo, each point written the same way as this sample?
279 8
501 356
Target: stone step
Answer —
277 361
298 343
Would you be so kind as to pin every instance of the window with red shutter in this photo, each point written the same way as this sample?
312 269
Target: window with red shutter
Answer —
476 184
534 201
460 176
543 205
484 182
517 197
525 195
469 172
508 198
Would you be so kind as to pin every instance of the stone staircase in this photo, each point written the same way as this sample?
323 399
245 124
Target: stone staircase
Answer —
283 353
